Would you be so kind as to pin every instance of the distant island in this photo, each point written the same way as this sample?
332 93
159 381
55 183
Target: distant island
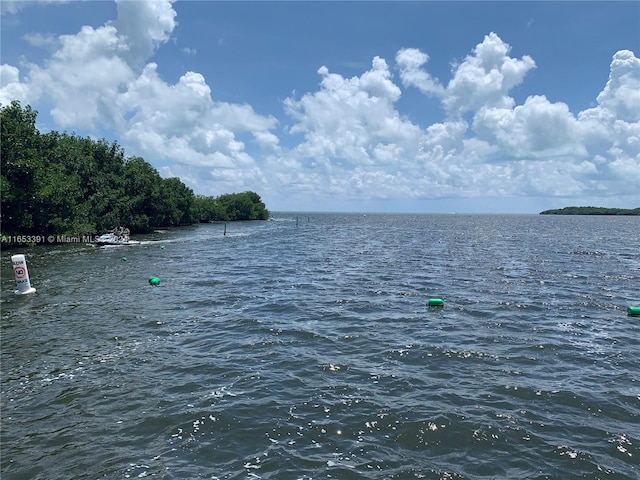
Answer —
592 211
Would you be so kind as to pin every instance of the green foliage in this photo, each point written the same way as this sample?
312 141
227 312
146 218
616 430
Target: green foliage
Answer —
179 202
591 211
230 207
21 161
143 206
60 184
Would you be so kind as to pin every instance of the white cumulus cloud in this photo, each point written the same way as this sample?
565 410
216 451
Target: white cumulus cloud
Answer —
410 62
144 26
352 120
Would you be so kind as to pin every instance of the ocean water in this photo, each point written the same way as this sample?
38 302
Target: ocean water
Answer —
304 348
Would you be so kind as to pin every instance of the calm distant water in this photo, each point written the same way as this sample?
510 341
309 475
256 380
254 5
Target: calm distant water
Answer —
303 348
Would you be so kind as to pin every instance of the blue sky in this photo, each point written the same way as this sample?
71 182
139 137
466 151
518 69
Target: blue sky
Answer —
505 107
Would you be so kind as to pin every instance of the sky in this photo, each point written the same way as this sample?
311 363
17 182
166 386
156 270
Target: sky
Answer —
408 107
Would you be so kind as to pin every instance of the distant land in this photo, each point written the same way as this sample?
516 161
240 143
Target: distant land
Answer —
592 211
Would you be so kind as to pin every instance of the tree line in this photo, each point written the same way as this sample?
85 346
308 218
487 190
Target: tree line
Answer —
60 183
592 211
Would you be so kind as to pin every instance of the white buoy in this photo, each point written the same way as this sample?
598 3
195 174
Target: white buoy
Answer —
22 275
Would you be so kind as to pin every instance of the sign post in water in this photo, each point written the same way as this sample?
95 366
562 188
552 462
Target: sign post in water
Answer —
22 275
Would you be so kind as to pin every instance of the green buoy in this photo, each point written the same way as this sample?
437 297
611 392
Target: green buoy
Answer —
633 311
124 259
155 281
435 302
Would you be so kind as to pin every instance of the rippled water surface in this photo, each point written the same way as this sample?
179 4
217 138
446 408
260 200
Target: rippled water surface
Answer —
303 348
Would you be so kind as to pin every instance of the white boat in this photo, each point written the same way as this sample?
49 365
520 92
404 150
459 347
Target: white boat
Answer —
115 239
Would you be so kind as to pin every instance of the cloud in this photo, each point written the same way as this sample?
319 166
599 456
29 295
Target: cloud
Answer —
182 123
536 129
611 130
352 121
621 94
143 26
539 147
40 40
74 78
410 62
484 78
11 88
10 7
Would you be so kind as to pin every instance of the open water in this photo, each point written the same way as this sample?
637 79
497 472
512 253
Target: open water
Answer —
303 348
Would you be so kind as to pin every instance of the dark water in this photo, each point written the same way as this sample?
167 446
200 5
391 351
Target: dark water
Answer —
303 348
